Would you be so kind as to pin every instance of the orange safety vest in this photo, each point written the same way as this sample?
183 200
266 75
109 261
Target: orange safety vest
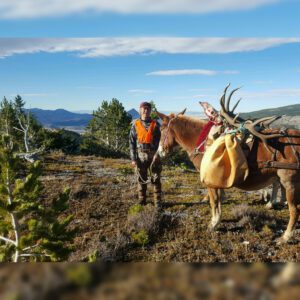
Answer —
144 136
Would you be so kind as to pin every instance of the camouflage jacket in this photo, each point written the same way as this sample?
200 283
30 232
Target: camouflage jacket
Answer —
134 144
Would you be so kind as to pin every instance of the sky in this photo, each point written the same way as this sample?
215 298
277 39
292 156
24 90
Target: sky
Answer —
75 54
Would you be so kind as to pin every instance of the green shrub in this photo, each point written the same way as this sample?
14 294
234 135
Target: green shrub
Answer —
141 238
135 209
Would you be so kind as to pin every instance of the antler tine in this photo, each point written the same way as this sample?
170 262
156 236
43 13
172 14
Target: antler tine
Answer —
229 98
263 137
222 100
235 118
226 88
235 106
269 122
229 120
262 120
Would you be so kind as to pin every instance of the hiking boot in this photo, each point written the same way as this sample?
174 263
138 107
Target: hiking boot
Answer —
158 206
142 202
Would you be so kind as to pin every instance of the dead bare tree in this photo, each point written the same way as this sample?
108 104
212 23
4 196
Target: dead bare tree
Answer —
30 154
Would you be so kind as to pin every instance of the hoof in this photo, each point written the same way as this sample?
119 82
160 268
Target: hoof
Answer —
282 240
269 205
205 199
212 227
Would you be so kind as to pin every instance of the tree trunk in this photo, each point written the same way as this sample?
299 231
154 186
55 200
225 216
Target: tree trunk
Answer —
14 220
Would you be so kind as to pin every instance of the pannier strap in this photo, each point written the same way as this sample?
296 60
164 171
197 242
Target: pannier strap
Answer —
278 165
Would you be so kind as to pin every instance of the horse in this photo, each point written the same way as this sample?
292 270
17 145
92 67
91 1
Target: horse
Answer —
181 130
264 166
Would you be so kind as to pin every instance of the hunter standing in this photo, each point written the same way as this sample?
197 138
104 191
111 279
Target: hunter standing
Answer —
144 140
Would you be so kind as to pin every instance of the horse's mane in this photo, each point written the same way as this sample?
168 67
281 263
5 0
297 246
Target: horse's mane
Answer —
187 122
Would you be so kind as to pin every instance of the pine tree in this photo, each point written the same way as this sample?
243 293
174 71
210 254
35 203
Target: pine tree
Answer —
110 125
8 119
154 114
24 130
30 230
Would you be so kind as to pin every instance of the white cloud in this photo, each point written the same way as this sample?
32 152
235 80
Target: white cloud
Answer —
190 72
100 47
140 91
14 9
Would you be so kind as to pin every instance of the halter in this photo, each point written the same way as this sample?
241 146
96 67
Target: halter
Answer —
168 130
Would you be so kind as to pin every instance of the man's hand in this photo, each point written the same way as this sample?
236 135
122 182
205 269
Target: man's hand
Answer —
133 163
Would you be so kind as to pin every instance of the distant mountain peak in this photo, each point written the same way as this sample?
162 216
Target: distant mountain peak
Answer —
62 118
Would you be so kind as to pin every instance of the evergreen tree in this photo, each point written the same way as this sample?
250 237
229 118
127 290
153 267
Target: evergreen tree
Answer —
23 129
19 104
30 230
154 115
110 125
8 119
61 139
27 125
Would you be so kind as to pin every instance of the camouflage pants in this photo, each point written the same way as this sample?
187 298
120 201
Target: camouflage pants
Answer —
145 168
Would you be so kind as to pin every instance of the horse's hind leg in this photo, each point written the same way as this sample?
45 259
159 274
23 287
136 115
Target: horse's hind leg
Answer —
215 198
292 187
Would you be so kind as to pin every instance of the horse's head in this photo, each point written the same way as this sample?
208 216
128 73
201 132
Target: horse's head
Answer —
168 136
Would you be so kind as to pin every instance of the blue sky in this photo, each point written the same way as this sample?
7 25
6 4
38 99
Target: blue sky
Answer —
175 53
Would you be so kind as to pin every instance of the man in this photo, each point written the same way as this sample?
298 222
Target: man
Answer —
144 140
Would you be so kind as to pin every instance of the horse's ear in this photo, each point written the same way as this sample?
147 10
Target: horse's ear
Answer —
162 116
182 112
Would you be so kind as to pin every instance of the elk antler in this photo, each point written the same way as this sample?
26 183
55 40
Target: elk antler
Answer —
229 116
250 125
267 123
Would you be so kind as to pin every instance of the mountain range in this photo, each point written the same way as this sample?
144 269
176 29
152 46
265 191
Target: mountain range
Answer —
61 118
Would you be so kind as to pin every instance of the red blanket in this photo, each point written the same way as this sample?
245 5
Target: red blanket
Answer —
203 135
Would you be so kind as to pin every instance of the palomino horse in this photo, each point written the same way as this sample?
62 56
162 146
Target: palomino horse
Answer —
265 165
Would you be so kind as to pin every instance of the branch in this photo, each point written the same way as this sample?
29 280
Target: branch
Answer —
34 255
30 247
21 125
18 129
30 156
7 240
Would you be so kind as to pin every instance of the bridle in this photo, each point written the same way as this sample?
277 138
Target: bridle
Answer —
168 130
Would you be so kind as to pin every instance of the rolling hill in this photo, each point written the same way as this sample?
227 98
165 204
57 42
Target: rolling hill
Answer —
290 110
61 118
290 115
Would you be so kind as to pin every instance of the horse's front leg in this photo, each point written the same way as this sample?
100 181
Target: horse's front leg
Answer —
215 198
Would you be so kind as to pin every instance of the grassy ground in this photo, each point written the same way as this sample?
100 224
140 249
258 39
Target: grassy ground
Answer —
103 190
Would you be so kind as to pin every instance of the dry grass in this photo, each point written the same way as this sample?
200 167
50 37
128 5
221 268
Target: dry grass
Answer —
103 190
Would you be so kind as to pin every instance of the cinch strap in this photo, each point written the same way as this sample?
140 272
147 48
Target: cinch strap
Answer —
144 136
